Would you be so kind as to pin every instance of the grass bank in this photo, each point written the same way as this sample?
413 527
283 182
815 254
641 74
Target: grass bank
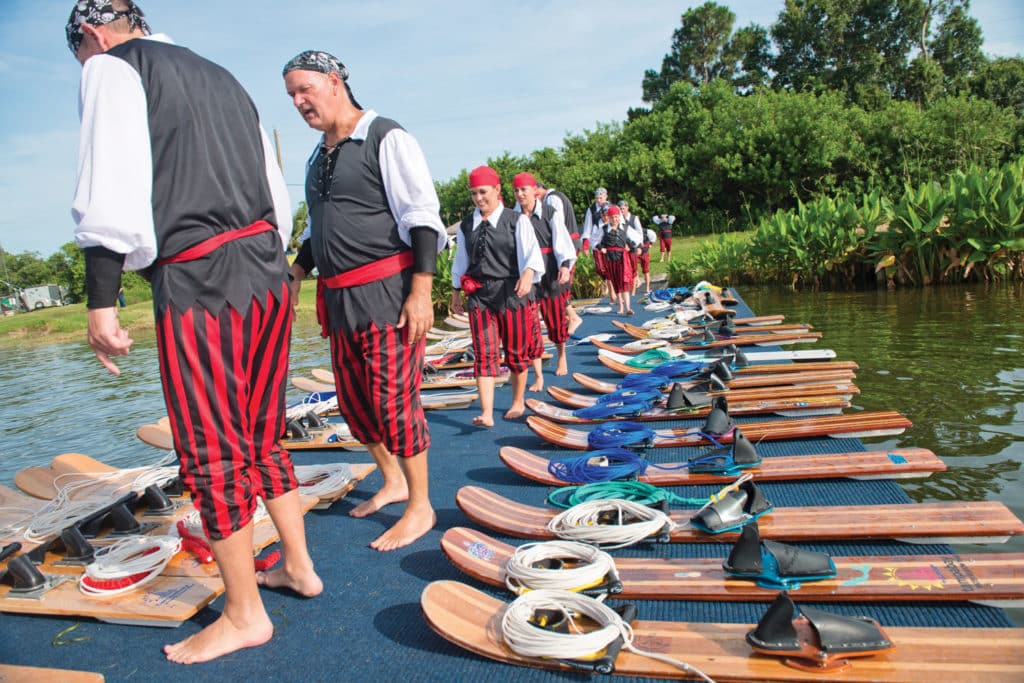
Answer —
68 323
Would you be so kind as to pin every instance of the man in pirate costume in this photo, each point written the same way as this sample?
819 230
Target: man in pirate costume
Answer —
615 246
664 223
375 232
557 200
594 217
202 211
496 265
635 235
552 292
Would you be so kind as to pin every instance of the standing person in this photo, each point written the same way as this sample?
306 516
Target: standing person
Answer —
496 265
664 223
175 178
552 292
560 203
594 217
375 232
615 247
644 260
635 235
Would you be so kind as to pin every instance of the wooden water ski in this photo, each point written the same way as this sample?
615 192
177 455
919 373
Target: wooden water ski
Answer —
752 356
430 400
471 619
334 436
575 400
620 364
166 601
980 522
859 425
35 674
638 332
988 577
787 407
745 380
744 340
900 463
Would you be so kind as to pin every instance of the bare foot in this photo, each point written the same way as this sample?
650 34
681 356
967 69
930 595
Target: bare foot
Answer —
563 366
574 323
410 527
538 385
220 638
386 496
515 412
481 421
305 583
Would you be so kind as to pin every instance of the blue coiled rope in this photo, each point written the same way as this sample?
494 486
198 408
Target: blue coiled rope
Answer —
608 464
678 368
605 409
620 434
644 380
630 394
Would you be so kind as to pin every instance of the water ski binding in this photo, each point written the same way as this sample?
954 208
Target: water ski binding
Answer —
816 641
775 565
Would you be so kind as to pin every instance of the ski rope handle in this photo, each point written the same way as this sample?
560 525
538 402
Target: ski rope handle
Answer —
524 571
526 639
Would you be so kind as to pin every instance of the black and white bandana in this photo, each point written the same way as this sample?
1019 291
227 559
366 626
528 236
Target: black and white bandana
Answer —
316 60
100 13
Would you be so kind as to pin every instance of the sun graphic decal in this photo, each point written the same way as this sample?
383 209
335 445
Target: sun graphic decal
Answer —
925 578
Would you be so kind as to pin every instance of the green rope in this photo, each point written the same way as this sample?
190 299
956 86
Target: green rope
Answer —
635 491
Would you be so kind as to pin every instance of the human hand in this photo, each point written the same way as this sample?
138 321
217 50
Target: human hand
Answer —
416 317
563 275
525 283
106 337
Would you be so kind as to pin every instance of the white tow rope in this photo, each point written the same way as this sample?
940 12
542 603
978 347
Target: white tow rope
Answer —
583 522
522 574
526 639
127 564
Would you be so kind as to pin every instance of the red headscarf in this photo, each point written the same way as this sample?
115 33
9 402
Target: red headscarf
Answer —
483 175
524 180
613 211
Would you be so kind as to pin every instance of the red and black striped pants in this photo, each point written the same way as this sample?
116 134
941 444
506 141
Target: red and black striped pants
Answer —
552 309
224 381
515 329
378 378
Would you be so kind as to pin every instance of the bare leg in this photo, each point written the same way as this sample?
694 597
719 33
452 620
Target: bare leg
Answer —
419 517
518 406
244 621
395 488
563 362
625 303
647 282
574 318
538 370
296 572
485 387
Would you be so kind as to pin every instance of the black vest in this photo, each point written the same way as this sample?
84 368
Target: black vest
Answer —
493 262
613 238
351 225
209 177
542 227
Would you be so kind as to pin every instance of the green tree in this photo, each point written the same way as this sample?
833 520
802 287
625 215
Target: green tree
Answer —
703 49
1002 82
956 46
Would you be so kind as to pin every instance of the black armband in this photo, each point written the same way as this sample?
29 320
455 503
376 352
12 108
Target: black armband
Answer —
424 249
565 263
305 257
102 276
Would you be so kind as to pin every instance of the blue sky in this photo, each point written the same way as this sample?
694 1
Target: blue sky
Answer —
470 80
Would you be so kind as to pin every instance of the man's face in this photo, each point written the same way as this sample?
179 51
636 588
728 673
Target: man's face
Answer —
312 93
625 209
486 197
601 198
526 195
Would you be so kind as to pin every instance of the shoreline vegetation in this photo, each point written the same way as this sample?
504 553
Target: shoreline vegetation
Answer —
67 324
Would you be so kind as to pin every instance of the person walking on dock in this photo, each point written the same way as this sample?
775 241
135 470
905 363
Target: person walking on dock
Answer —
176 179
374 234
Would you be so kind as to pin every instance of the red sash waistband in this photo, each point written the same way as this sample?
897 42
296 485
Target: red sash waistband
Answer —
371 272
546 250
614 248
210 244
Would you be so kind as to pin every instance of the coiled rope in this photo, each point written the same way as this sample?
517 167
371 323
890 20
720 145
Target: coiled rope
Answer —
631 523
524 638
127 564
524 571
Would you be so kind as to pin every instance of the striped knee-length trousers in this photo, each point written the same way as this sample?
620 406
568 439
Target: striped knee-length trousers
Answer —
224 379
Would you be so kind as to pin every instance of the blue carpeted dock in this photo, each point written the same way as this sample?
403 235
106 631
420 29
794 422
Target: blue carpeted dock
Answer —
367 625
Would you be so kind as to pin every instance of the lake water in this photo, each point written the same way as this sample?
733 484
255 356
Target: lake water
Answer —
949 358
